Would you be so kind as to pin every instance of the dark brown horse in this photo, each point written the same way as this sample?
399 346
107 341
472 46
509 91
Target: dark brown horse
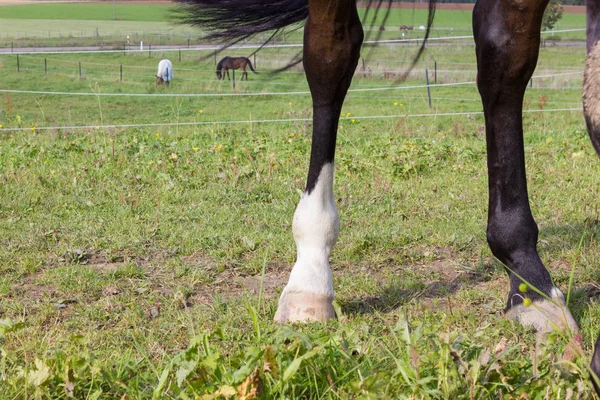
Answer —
507 39
228 63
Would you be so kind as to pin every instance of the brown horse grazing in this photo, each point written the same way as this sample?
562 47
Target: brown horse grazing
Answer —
507 39
228 63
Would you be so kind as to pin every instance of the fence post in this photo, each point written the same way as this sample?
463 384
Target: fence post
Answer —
363 68
124 48
45 66
428 89
530 82
188 43
18 64
121 71
79 69
435 72
233 70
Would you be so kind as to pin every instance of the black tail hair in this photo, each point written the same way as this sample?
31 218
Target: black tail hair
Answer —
251 67
235 20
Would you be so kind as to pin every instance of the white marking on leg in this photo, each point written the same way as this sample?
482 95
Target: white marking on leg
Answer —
316 227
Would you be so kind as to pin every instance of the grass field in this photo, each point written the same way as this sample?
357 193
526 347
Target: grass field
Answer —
87 12
146 261
85 24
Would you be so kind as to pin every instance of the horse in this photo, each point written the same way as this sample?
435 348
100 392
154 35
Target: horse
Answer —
165 72
228 63
507 40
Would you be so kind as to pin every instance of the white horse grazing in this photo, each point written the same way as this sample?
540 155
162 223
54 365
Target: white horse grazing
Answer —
165 72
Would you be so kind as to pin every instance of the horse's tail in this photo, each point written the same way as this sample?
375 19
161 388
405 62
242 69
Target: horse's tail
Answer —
234 20
250 65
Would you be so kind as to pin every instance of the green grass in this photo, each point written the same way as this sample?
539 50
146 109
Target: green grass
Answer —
87 24
157 12
87 12
48 29
147 261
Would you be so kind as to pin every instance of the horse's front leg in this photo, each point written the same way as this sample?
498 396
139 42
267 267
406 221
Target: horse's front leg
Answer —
507 41
332 38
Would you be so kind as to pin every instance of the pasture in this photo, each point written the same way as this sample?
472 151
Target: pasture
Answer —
143 252
93 24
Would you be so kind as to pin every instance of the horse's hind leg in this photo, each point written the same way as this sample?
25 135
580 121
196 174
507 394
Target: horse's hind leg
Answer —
591 79
507 43
591 111
332 39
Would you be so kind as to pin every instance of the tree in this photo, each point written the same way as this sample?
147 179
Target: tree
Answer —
552 15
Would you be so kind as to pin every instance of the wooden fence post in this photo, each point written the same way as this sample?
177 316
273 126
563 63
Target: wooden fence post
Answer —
363 68
428 89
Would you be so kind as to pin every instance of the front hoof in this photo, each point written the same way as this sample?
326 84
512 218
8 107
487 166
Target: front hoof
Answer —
545 315
304 307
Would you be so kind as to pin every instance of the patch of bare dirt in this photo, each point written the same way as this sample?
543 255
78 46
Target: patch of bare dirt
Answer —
444 276
102 262
31 291
272 282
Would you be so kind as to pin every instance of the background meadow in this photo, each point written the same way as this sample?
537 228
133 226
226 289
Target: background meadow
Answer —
146 231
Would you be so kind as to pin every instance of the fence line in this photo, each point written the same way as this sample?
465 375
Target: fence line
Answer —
358 70
266 46
297 93
247 94
200 123
470 99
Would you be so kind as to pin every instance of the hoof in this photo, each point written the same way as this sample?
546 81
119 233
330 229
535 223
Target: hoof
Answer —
304 307
545 315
